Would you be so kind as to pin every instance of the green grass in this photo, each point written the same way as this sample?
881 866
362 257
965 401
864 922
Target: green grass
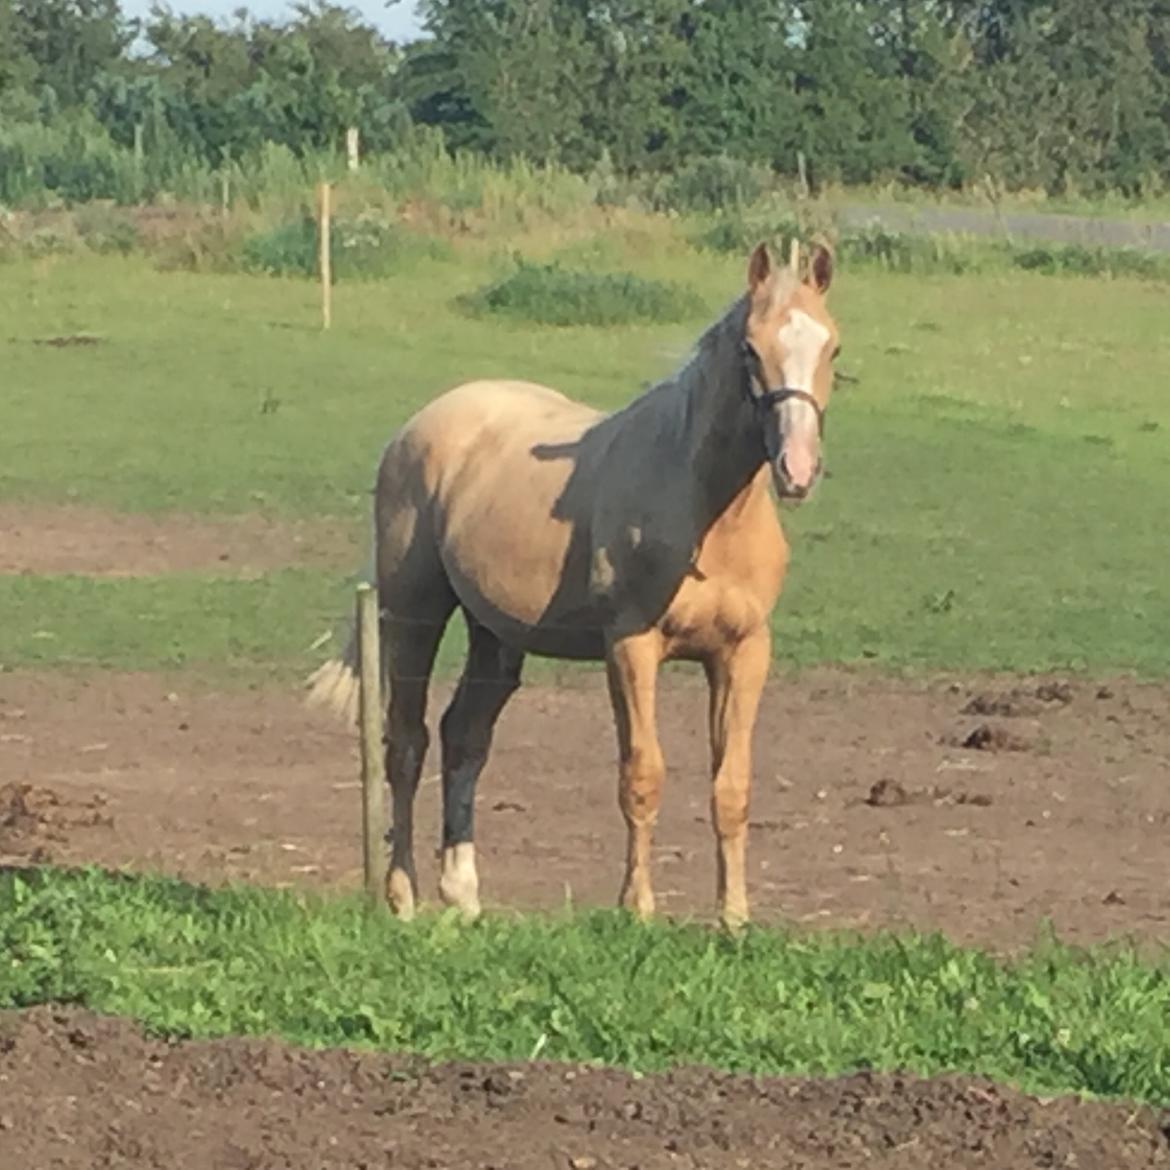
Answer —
998 480
203 623
191 962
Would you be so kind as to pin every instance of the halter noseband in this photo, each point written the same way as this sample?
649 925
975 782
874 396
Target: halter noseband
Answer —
766 398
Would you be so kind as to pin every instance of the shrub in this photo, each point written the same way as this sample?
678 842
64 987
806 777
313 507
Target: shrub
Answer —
739 232
105 230
1079 259
548 294
710 184
903 252
362 249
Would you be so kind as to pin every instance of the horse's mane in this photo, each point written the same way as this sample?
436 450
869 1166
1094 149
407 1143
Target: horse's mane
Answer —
667 407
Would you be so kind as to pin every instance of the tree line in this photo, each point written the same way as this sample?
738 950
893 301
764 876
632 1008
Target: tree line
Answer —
1061 95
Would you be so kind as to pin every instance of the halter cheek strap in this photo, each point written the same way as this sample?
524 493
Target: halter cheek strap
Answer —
766 398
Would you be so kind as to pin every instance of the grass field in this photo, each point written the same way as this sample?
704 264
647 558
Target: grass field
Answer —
997 472
996 500
584 988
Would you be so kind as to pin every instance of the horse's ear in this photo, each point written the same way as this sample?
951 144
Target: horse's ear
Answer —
759 268
820 267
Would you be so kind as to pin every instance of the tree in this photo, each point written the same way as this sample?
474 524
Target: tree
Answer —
510 77
854 101
741 83
71 42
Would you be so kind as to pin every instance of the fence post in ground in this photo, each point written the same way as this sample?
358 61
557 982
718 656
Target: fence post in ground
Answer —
352 150
370 717
802 173
794 256
325 254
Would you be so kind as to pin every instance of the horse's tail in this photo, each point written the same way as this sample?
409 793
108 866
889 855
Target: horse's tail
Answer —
335 686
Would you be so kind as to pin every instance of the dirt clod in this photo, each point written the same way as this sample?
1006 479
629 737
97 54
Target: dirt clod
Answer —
1055 692
987 737
31 815
1001 704
887 794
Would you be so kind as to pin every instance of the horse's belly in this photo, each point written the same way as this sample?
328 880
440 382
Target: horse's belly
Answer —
523 572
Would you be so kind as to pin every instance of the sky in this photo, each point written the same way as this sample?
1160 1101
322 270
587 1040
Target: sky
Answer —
396 20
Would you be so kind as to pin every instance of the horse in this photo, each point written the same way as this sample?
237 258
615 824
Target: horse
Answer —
631 538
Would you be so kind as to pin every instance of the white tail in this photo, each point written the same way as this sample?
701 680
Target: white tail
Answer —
335 685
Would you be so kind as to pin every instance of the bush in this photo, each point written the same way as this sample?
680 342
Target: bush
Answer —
104 230
362 249
548 294
73 160
711 184
739 232
1078 259
924 254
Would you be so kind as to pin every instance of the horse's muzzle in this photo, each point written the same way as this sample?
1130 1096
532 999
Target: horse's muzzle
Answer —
789 489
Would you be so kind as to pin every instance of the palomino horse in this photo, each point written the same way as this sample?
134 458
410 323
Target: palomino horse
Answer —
635 537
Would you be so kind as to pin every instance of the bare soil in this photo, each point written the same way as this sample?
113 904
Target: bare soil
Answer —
978 807
75 538
78 1092
975 807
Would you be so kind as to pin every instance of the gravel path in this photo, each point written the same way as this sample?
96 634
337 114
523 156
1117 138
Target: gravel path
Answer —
1152 236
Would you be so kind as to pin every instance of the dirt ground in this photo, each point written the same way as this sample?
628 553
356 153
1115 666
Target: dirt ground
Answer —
256 1105
51 538
979 808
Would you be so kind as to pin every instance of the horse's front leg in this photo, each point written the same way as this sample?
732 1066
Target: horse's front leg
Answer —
632 671
736 678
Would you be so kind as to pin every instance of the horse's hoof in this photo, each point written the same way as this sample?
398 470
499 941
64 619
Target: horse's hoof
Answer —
459 882
734 922
400 894
466 902
640 905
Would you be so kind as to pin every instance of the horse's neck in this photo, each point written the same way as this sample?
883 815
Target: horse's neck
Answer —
725 447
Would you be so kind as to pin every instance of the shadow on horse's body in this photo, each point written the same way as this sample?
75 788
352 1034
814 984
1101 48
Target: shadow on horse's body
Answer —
634 537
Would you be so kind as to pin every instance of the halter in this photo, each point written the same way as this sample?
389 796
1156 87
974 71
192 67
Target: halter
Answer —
766 398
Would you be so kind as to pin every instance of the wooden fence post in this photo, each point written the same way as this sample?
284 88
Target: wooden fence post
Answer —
373 801
325 255
802 172
352 149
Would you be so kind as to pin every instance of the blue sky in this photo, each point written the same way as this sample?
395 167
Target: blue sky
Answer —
396 20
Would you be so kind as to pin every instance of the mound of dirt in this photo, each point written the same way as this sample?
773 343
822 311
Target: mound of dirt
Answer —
81 1091
32 816
1025 700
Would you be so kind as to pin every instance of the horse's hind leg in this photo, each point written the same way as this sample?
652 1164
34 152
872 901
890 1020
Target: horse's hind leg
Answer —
490 677
411 644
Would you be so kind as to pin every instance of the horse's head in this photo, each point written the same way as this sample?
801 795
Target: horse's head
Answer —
789 344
